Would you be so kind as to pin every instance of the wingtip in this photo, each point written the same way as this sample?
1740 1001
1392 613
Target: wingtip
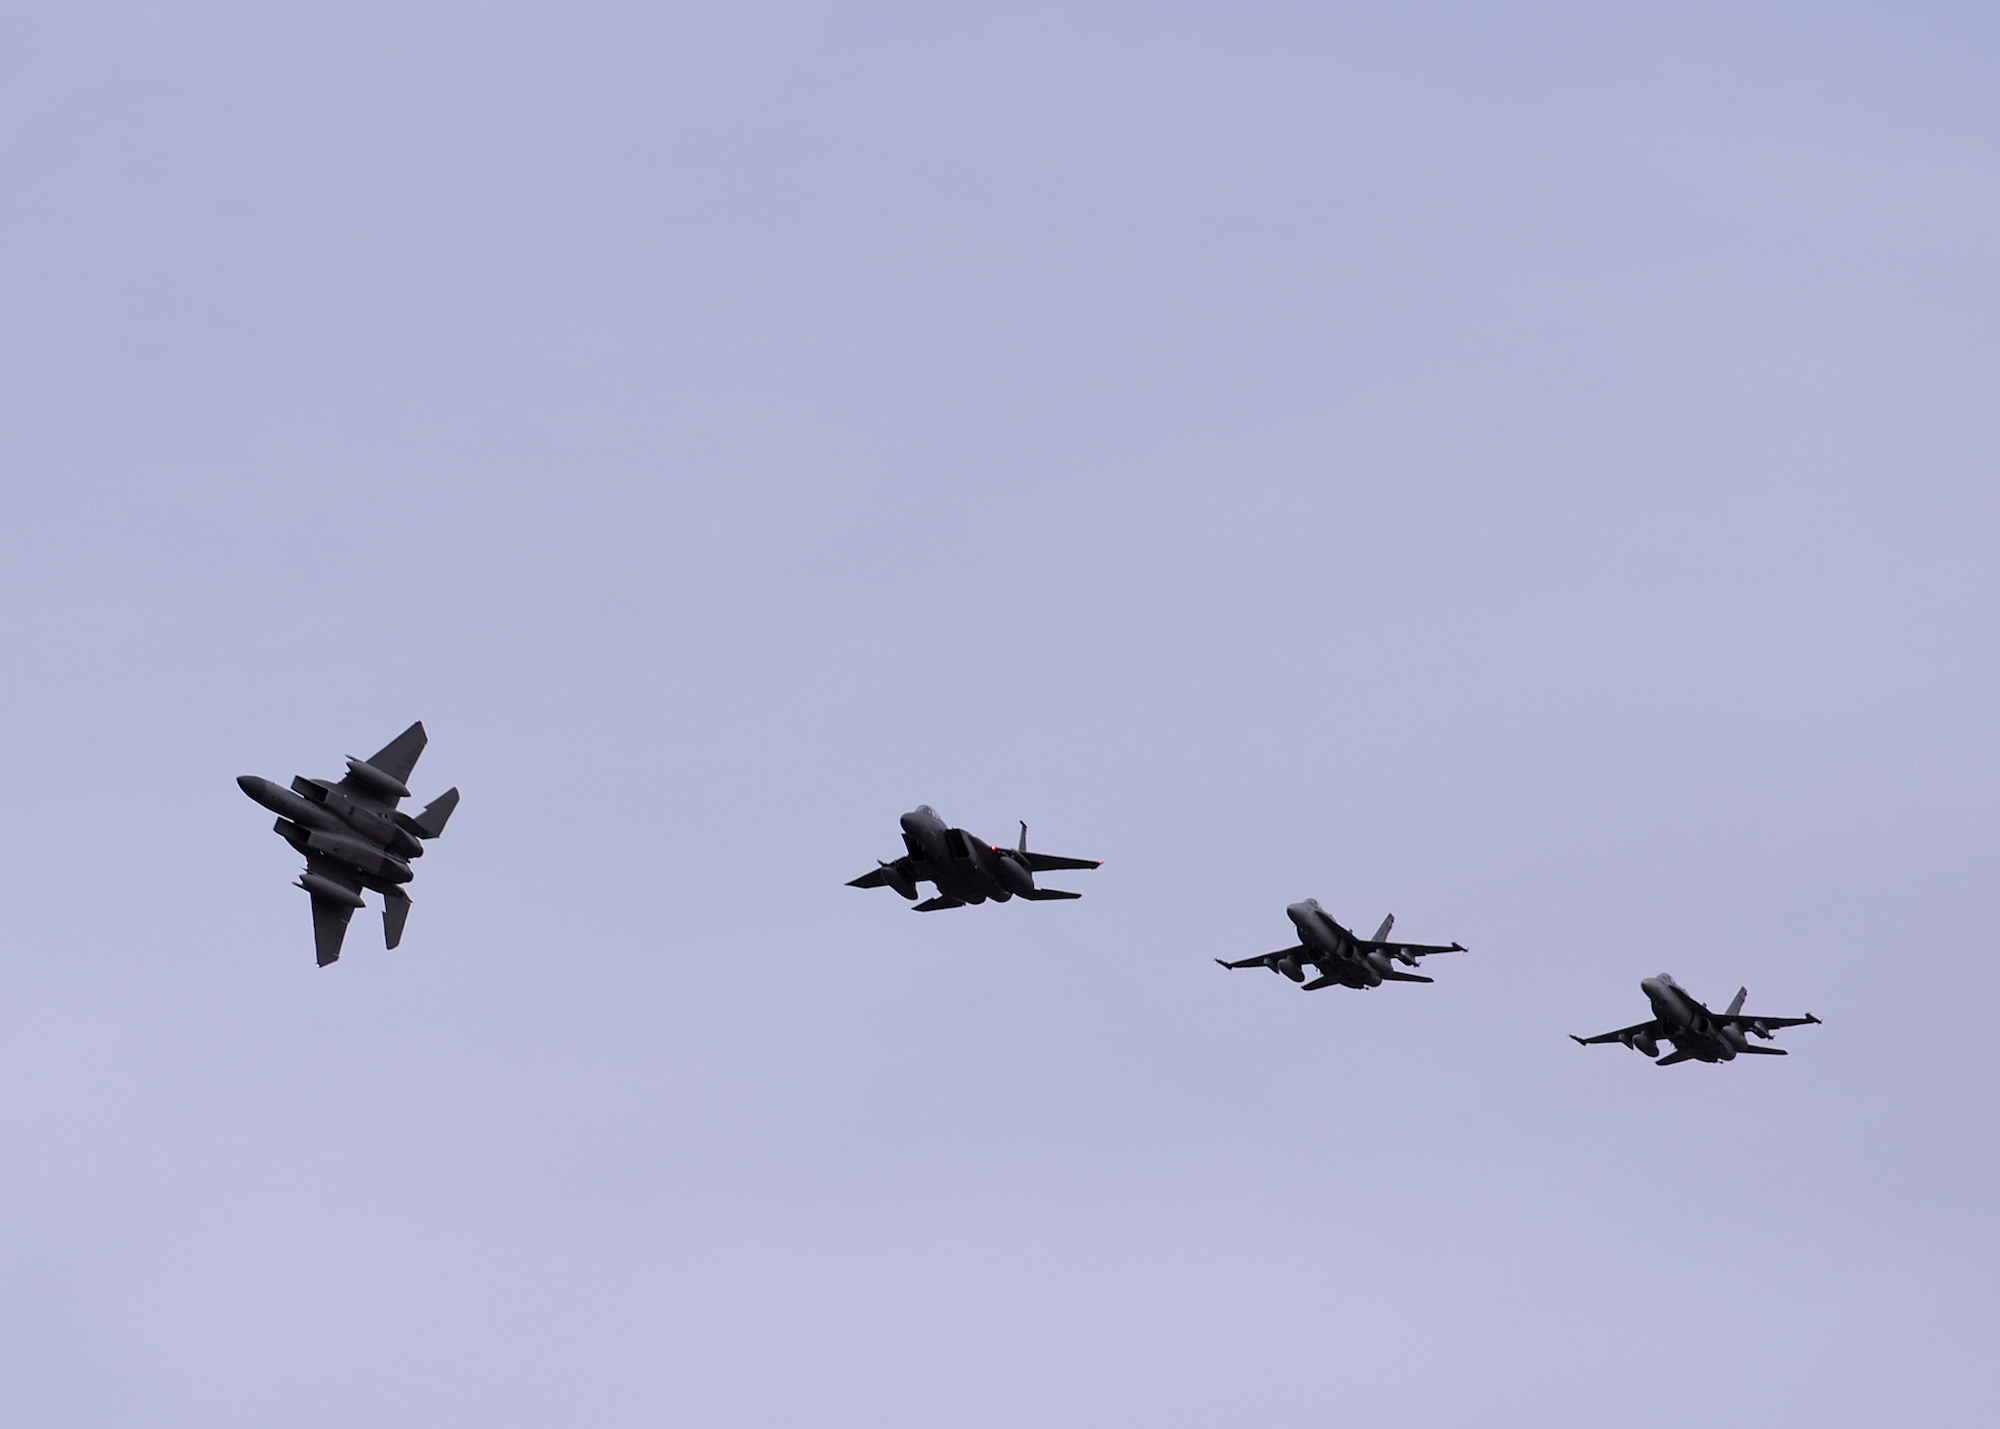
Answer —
1814 1020
1578 1040
1220 963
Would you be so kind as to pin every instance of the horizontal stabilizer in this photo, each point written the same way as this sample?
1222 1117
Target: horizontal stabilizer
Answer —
1042 895
931 905
1762 1052
1406 977
1673 1057
1319 982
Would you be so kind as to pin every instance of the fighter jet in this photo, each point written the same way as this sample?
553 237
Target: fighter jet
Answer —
962 868
1696 1033
354 838
1340 957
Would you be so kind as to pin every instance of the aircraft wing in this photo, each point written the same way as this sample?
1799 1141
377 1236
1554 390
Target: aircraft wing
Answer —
329 916
397 759
1769 1024
1049 862
1416 950
883 875
1655 1030
399 755
1269 960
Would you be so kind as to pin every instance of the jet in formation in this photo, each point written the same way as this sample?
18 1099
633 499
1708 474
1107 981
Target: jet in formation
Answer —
1697 1034
353 837
1340 958
962 868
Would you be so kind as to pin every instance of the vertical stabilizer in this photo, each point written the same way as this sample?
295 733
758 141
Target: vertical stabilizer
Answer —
1736 1002
329 927
395 911
430 823
1383 931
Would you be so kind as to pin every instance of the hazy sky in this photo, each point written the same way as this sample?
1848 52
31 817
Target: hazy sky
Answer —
1526 468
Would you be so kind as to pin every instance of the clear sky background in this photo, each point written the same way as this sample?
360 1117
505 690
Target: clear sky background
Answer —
1526 468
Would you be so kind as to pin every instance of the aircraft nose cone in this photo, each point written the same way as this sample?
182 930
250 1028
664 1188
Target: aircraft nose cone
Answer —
249 784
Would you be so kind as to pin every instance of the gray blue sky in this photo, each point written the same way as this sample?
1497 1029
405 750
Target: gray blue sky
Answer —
1525 467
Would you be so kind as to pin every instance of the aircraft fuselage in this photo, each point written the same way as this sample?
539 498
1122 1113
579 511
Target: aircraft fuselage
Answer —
1691 1027
1334 950
339 827
960 865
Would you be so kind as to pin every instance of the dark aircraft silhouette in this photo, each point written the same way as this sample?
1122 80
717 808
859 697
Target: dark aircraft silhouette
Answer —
1696 1033
354 838
1341 958
962 868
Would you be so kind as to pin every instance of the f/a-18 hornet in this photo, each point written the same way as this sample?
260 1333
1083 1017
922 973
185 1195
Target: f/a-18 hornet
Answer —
1339 957
1696 1033
962 868
353 837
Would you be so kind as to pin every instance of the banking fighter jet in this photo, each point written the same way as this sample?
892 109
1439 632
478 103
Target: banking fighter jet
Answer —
353 836
1340 958
962 868
1697 1034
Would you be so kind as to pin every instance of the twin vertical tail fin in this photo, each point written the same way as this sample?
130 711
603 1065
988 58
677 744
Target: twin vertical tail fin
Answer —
1736 1002
430 823
1383 931
395 912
